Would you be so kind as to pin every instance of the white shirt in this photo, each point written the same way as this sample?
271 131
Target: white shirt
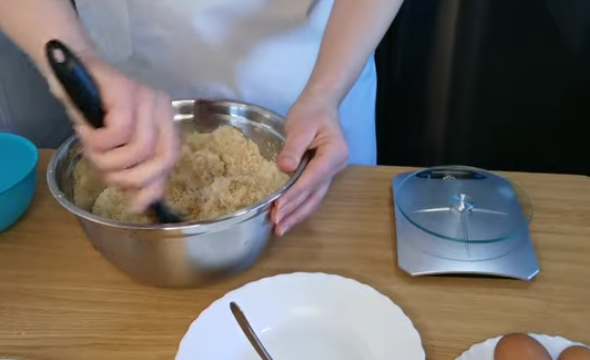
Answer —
258 51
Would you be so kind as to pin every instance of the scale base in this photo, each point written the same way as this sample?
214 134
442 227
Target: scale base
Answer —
422 254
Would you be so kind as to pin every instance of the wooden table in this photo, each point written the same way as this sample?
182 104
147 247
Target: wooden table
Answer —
60 300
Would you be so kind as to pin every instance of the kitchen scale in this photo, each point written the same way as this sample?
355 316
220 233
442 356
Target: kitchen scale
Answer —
457 220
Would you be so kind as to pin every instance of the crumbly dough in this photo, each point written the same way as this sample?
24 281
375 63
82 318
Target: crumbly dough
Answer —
219 173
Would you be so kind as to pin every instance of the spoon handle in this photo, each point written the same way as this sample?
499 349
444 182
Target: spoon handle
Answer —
165 214
77 82
249 332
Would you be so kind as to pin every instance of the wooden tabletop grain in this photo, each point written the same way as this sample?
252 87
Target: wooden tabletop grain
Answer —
60 300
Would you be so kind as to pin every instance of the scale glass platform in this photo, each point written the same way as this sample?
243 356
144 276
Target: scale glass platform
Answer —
456 220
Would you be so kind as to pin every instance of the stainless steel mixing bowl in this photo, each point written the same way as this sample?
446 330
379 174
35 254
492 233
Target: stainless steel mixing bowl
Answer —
188 254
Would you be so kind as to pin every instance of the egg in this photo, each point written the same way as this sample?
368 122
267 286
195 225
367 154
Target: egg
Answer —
520 347
575 353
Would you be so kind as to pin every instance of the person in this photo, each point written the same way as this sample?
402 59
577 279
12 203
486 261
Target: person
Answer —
310 60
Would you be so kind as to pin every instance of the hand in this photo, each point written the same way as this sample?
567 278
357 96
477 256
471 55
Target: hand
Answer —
312 124
138 146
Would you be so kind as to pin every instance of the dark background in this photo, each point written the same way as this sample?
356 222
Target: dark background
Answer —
497 84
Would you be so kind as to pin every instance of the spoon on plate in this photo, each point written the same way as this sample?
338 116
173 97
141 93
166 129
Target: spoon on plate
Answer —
84 92
248 331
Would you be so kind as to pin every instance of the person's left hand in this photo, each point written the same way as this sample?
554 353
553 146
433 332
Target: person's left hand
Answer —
312 124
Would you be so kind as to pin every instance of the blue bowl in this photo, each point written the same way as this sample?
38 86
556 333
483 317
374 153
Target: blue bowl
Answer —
18 177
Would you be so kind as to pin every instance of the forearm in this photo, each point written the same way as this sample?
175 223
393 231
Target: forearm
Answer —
31 23
353 33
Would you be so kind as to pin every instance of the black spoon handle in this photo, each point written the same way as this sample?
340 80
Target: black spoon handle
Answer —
77 81
165 214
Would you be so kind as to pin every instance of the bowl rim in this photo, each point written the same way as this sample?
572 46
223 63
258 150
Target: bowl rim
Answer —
29 145
189 225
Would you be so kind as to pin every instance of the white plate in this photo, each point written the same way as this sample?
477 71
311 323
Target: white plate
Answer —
305 316
485 350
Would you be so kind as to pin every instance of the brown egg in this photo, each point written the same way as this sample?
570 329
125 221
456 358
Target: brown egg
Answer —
520 347
575 353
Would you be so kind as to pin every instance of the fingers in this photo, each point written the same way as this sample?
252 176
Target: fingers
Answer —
167 155
327 162
308 206
138 176
120 122
149 195
160 146
296 144
143 141
169 143
280 212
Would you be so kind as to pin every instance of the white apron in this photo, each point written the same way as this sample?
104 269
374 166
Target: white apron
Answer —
258 51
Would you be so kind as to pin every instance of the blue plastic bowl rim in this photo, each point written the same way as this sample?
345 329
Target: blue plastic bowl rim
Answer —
28 144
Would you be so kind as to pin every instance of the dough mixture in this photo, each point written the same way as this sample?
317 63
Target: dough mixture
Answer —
219 173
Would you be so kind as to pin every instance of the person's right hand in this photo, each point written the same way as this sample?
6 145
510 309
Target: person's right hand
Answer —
138 145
